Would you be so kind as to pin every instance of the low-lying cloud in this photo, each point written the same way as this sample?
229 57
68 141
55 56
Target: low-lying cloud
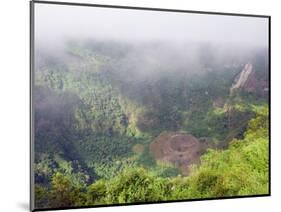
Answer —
56 23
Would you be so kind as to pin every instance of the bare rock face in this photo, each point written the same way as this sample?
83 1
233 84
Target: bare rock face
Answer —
248 81
179 149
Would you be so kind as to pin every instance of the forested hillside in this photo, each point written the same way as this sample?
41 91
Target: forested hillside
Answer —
118 122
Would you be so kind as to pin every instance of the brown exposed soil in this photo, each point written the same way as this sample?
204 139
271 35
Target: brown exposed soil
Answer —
179 149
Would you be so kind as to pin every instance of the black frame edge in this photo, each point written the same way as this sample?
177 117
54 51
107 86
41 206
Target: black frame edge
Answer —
31 137
269 105
150 203
149 9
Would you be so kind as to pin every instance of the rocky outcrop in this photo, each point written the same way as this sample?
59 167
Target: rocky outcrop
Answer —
247 81
242 79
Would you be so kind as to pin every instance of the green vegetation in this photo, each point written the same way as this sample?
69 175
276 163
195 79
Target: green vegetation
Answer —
96 115
242 169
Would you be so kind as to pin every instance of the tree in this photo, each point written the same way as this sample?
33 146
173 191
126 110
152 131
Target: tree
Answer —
65 194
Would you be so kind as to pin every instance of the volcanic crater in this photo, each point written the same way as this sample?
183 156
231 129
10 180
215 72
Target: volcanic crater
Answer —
179 149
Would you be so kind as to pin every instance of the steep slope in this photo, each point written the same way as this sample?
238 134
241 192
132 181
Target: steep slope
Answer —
248 81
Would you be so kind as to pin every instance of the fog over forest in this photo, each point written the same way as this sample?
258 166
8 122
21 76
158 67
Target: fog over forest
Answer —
149 40
145 106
